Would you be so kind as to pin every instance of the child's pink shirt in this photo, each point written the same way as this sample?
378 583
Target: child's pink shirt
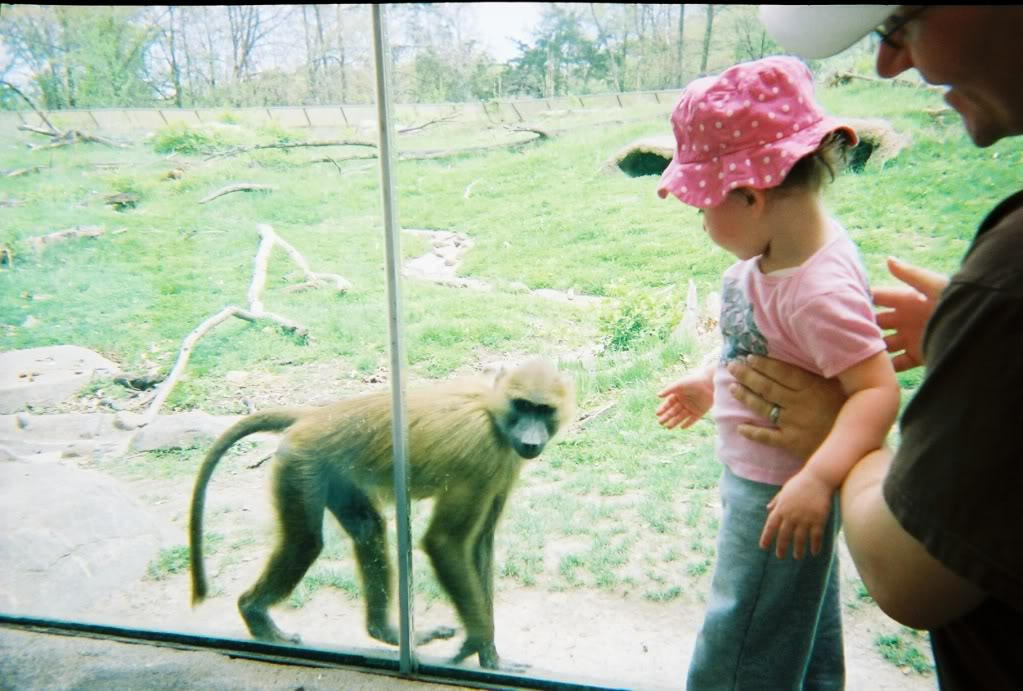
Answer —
818 316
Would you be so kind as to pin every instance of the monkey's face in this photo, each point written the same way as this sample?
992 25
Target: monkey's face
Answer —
529 427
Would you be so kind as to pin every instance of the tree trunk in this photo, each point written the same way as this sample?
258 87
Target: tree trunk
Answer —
310 60
321 55
175 68
706 38
602 37
681 26
341 53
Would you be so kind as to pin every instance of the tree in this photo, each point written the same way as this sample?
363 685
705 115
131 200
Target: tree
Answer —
681 43
706 38
751 39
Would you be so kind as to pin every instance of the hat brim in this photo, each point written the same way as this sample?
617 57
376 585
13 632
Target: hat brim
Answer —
808 140
820 31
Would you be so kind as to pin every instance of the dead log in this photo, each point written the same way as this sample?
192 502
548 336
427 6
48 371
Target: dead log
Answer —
842 78
53 130
416 128
255 312
18 172
37 243
241 187
291 145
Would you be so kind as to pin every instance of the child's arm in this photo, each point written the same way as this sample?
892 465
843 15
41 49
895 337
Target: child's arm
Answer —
800 510
688 399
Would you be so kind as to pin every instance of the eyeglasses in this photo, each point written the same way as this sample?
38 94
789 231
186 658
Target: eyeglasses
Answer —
892 26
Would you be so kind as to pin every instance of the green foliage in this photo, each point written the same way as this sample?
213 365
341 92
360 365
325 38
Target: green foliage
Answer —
545 215
637 316
171 561
902 651
178 137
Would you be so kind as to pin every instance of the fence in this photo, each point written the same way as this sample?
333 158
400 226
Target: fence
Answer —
327 117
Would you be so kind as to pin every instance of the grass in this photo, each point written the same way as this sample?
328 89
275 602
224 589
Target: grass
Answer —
620 505
902 650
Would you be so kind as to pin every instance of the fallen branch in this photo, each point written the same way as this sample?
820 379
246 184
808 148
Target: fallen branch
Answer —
69 137
416 128
255 312
542 133
241 187
840 78
468 189
312 278
37 243
415 155
53 130
290 145
591 417
18 172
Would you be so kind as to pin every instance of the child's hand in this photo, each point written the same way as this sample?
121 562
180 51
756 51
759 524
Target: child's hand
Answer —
685 401
797 513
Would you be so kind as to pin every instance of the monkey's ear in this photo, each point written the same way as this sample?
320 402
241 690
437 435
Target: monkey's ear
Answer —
500 373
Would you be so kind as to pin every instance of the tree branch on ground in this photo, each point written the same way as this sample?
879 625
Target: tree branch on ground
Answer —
255 312
69 137
240 187
841 78
415 128
61 138
53 130
290 145
37 243
18 172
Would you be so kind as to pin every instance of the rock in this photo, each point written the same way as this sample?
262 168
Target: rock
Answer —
47 376
181 431
125 420
70 537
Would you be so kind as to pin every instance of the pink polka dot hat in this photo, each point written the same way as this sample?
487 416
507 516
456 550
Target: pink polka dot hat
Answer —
746 127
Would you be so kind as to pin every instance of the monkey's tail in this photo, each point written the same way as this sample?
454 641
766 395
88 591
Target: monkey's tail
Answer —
275 420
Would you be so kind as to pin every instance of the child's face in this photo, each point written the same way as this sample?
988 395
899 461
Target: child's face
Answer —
732 226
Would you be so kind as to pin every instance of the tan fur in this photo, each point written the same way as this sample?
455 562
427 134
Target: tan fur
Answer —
339 457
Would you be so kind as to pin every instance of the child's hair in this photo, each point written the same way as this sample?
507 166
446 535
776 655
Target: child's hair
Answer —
820 167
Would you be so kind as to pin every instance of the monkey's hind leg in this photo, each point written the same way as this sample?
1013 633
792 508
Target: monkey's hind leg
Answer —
299 503
367 527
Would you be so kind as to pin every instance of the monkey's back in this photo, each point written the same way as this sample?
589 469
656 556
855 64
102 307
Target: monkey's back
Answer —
451 435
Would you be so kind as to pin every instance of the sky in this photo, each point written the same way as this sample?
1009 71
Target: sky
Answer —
496 21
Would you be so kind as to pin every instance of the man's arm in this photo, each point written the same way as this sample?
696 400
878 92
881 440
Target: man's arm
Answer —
908 584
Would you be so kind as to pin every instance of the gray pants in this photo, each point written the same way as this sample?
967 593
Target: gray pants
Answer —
771 624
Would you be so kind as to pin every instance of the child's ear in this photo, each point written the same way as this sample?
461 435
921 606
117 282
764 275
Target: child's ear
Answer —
755 199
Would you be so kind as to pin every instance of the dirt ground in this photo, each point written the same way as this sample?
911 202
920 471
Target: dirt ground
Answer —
577 634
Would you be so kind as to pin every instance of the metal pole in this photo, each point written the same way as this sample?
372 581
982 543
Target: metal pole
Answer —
406 652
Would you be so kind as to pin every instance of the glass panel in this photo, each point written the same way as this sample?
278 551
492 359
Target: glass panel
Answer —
530 227
168 270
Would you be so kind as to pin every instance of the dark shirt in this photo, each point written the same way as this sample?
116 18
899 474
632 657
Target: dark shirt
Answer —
956 483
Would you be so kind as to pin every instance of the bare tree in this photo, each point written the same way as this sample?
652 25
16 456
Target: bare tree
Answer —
602 40
706 38
681 43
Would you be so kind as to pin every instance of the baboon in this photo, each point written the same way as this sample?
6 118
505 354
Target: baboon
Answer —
467 439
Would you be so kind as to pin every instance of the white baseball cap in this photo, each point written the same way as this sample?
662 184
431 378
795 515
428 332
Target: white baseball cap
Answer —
819 31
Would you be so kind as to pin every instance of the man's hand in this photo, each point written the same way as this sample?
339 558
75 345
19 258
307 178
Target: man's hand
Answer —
910 306
808 403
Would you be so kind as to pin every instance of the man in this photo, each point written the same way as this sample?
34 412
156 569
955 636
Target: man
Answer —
935 529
